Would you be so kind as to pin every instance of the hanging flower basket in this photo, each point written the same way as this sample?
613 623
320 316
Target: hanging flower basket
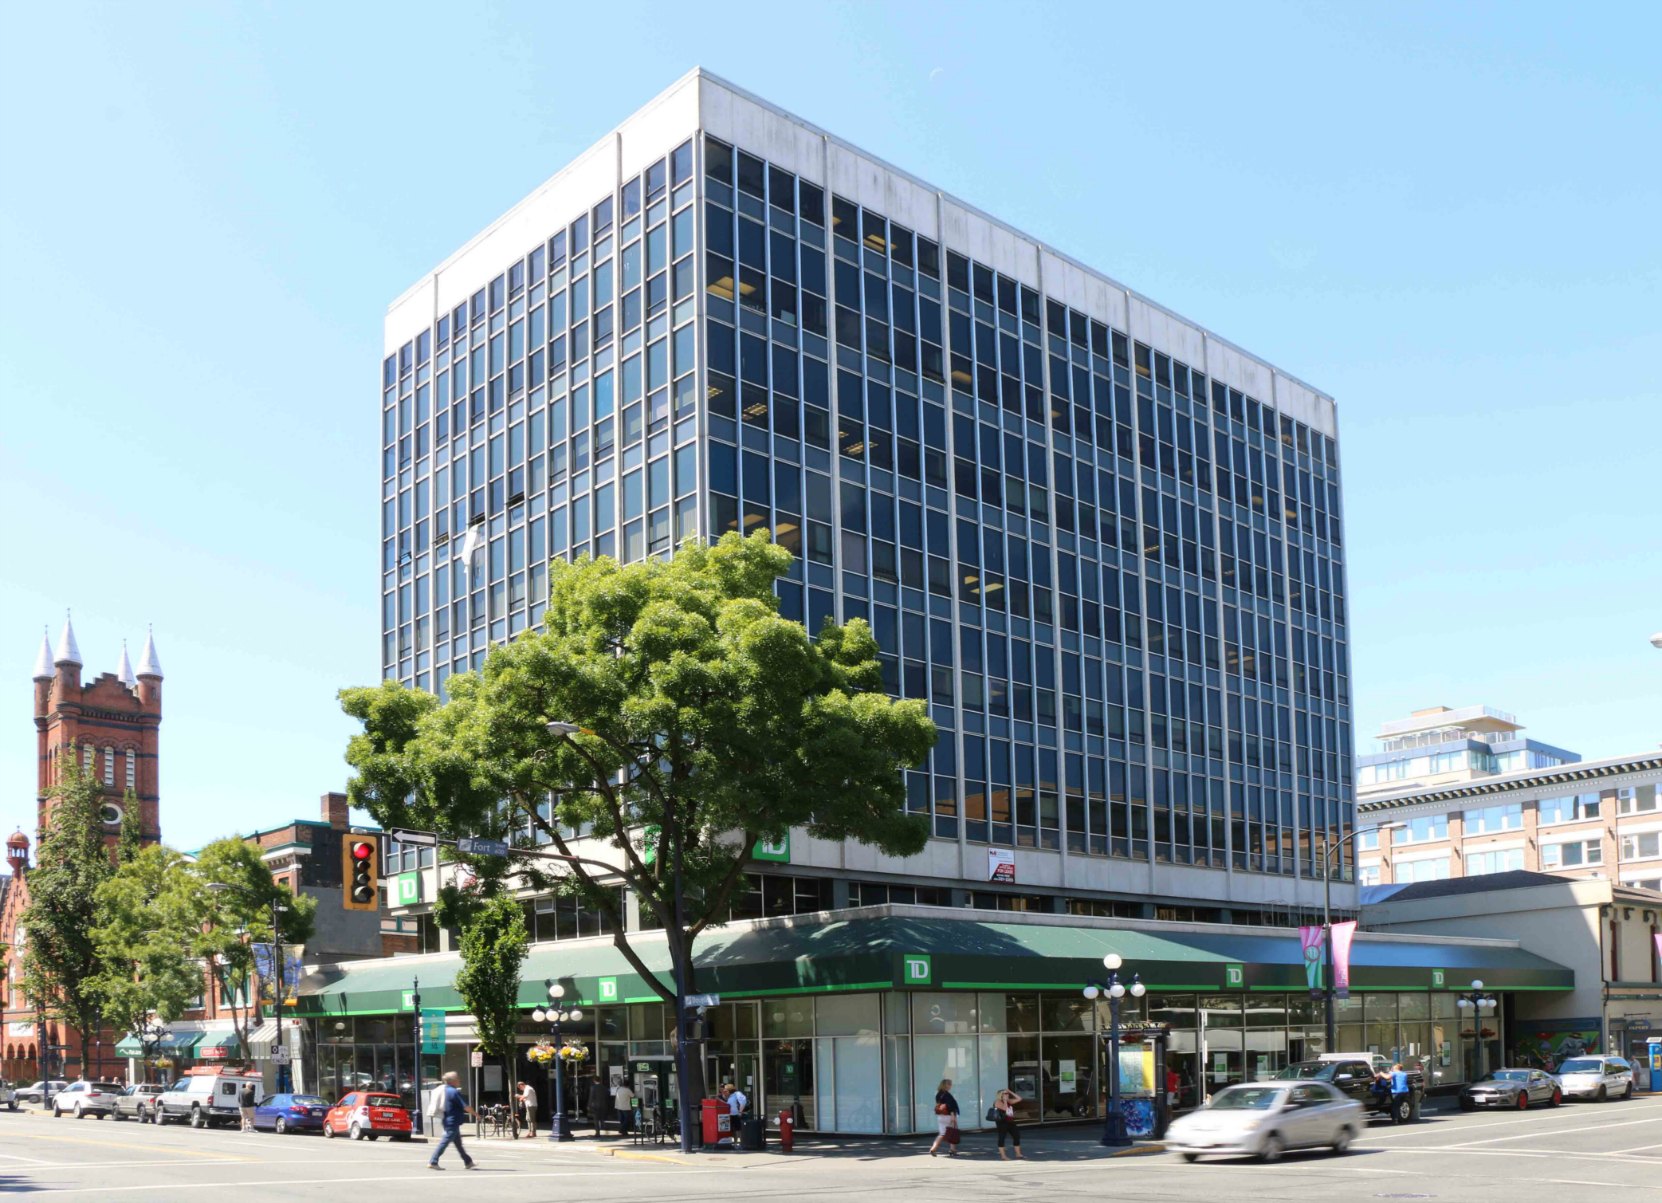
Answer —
163 1062
541 1053
574 1053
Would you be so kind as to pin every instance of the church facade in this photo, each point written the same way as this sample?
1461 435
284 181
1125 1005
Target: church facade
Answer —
111 723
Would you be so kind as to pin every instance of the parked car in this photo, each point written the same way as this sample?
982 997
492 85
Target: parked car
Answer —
41 1092
290 1113
138 1102
205 1099
1516 1088
1596 1078
82 1099
1265 1119
363 1115
8 1095
1354 1077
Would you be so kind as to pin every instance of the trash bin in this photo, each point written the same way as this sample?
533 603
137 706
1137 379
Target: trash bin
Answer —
753 1134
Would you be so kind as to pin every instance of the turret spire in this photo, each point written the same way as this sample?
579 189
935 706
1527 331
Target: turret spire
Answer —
43 661
149 664
124 670
67 652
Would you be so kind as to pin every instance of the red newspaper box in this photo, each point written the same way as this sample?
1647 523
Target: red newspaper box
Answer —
717 1121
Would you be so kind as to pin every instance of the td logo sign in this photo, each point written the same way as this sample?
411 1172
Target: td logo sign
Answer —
916 970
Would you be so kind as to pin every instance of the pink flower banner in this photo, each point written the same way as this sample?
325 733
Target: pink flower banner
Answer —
1342 933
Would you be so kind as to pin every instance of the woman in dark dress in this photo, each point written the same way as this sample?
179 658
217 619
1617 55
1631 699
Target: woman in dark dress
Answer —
946 1117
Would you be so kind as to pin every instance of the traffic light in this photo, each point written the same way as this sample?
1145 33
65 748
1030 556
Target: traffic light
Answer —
361 872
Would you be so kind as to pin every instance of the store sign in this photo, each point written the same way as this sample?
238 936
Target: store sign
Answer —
1234 976
1437 979
25 1029
916 969
608 989
407 1001
778 850
1001 865
409 887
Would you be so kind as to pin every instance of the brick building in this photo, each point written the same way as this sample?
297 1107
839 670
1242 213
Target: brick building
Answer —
112 723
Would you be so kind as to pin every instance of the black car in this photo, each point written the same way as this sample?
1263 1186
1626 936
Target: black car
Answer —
1356 1080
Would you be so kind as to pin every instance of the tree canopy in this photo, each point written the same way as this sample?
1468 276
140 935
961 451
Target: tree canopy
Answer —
705 721
60 959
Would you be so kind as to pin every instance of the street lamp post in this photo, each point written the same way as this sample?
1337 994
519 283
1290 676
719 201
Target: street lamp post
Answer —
554 1015
678 971
1329 1024
1474 1001
151 1031
280 986
415 1050
1113 1127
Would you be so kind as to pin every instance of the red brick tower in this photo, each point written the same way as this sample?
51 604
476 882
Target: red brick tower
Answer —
111 723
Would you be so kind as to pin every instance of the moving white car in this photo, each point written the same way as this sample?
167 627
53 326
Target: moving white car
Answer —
1596 1078
8 1095
82 1099
1265 1119
40 1092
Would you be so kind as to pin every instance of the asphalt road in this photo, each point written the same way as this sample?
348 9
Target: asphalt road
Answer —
1470 1158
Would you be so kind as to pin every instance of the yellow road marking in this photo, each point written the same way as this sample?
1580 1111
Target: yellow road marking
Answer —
118 1144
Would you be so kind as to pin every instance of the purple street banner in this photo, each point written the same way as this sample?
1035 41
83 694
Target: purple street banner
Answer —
1342 932
1311 940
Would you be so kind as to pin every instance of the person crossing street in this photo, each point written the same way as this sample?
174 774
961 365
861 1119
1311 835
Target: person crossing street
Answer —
451 1109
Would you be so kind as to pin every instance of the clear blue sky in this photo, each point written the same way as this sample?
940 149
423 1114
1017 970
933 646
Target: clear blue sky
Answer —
1448 216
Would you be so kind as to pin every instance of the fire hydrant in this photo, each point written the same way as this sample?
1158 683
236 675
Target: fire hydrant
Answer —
787 1128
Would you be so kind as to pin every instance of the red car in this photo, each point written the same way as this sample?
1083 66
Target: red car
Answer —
362 1115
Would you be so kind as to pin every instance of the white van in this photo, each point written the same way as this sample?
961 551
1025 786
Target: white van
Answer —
204 1099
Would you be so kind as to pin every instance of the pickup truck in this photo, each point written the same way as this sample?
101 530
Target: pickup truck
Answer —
138 1102
1354 1078
8 1095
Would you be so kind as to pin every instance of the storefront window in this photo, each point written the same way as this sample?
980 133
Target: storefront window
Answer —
1222 1047
1265 1043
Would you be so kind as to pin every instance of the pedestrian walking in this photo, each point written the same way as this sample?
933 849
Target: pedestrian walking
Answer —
528 1104
623 1100
946 1119
246 1100
452 1111
1004 1119
600 1102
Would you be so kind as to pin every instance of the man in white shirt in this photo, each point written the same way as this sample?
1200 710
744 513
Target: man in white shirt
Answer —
624 1100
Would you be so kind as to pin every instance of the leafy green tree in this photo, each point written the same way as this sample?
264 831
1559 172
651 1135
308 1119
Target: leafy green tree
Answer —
227 922
132 829
494 946
149 918
60 960
706 722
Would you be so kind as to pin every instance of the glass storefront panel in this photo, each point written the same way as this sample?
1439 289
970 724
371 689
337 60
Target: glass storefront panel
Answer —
1265 1042
1026 1077
1222 1045
935 1014
938 1057
1069 1014
994 1070
788 1074
786 1017
1177 1011
1022 1013
897 1085
1068 1077
847 1015
857 1071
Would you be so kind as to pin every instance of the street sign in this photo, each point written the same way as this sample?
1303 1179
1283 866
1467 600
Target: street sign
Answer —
279 1054
419 839
476 1059
703 1000
480 846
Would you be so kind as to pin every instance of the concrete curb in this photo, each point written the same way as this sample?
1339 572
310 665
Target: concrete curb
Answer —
1139 1150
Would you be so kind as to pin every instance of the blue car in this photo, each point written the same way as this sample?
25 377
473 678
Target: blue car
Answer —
290 1113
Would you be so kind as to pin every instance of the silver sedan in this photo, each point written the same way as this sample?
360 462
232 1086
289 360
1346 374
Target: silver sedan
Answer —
1265 1119
1514 1088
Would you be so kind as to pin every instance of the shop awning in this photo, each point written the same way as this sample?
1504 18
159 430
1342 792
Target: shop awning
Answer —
899 947
173 1044
218 1045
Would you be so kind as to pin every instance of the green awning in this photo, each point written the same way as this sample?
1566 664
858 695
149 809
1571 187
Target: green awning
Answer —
216 1045
870 949
172 1044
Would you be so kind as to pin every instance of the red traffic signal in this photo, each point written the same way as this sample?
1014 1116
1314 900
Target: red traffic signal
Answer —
361 873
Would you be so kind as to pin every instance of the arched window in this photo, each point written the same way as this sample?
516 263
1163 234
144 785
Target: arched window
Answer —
86 759
109 765
132 769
